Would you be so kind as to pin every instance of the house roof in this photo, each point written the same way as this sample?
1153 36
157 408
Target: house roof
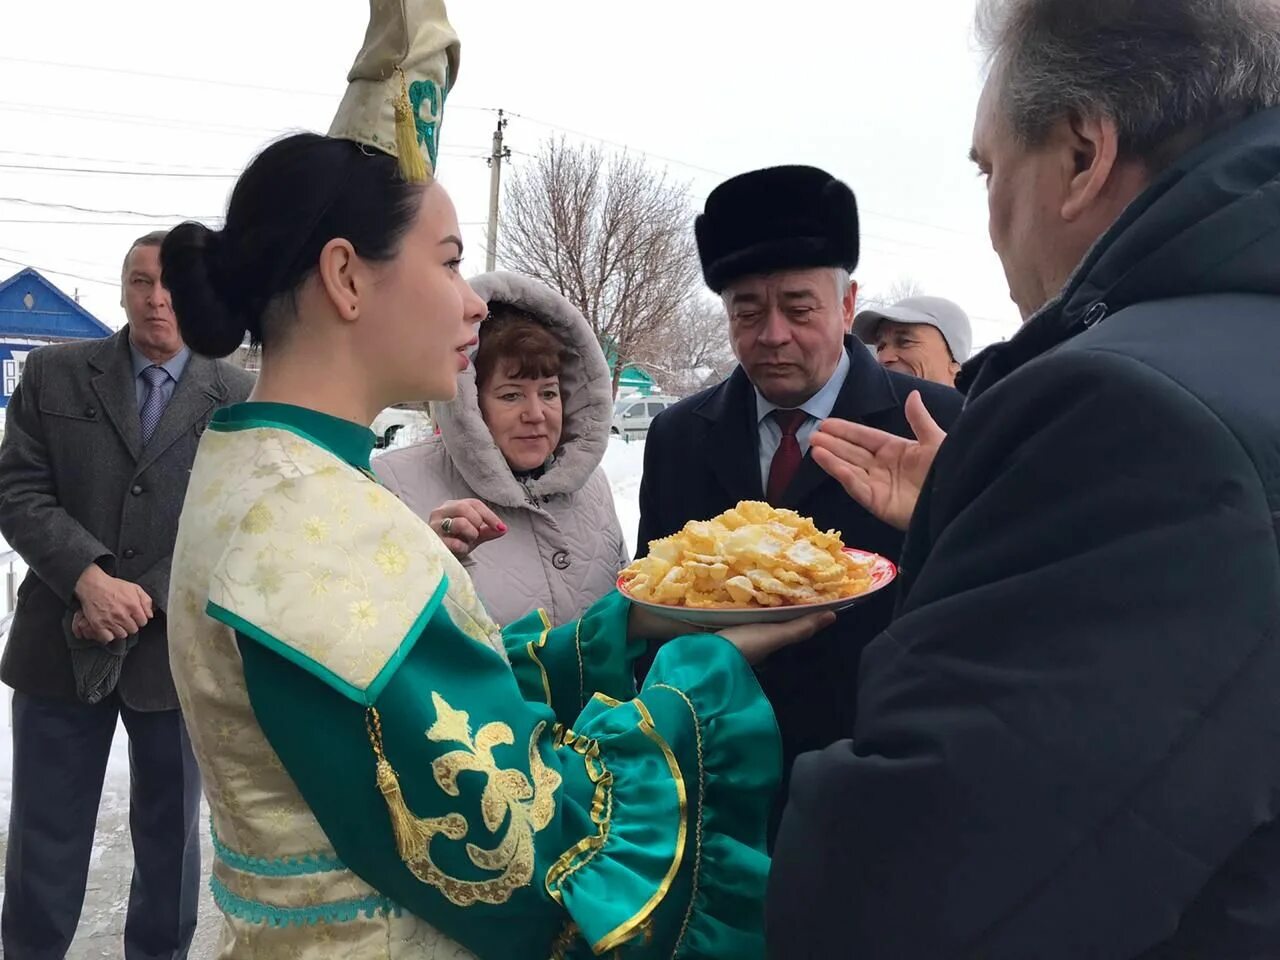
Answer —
633 374
31 306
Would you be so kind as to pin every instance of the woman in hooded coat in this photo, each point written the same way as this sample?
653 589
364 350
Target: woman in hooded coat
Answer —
525 436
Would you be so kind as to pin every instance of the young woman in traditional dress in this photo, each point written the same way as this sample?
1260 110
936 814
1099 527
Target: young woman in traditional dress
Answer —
389 774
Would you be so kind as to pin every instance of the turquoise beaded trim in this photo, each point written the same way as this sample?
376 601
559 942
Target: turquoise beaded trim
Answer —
282 867
341 911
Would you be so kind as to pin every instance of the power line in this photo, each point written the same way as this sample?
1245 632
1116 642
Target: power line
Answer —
717 173
967 234
461 152
148 75
219 128
144 223
117 213
165 123
618 144
183 174
936 248
101 171
132 161
120 71
92 264
60 273
83 223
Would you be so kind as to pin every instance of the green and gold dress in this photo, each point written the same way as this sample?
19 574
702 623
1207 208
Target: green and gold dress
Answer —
391 775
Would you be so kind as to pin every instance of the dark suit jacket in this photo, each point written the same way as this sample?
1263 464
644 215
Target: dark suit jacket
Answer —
77 487
702 457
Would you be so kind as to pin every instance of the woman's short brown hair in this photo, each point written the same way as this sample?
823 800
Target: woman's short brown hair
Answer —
514 339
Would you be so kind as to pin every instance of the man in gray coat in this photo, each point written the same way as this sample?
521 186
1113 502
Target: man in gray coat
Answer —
98 447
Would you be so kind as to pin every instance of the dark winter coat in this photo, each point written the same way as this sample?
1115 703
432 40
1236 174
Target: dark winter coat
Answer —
1068 741
702 457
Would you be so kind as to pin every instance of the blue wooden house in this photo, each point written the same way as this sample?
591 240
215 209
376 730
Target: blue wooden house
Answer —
33 312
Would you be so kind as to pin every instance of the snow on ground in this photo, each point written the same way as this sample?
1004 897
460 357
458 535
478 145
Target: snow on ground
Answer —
102 923
623 464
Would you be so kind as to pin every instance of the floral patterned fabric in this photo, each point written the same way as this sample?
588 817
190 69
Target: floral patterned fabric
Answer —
243 517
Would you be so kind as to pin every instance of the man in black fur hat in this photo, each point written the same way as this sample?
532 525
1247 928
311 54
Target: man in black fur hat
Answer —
779 246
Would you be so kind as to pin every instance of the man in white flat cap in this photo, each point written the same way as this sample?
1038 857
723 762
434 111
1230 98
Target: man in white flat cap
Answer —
925 337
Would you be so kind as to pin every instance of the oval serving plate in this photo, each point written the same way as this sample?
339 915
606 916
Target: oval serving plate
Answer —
883 573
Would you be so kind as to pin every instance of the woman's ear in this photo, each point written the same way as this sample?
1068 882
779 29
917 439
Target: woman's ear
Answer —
338 269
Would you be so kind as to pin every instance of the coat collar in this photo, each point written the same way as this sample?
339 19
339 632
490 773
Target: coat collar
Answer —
198 391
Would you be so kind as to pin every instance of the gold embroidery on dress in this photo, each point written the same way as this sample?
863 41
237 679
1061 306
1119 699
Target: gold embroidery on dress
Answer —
315 531
391 558
257 520
508 796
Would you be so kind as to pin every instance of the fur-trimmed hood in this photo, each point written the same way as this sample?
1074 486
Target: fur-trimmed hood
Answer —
587 392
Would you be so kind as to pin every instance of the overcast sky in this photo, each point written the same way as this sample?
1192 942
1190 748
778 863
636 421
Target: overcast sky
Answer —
175 98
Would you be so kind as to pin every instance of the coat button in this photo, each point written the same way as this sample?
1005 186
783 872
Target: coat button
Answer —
561 560
90 412
136 490
130 553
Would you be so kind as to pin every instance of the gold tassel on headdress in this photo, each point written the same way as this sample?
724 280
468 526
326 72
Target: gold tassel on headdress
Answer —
413 166
412 833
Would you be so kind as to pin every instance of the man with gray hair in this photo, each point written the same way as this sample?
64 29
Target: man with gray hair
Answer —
778 245
1068 743
98 446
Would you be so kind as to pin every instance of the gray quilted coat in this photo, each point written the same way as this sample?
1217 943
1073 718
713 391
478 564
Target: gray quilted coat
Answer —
564 546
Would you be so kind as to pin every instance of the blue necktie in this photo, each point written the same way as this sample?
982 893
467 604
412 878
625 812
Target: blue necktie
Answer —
154 403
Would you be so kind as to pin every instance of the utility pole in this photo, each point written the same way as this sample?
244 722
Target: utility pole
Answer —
499 154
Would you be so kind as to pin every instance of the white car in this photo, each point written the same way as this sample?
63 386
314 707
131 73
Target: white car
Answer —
400 427
632 415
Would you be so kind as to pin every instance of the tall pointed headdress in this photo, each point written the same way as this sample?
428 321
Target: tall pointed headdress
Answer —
398 84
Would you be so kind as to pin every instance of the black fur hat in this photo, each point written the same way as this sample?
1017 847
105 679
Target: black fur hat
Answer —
782 218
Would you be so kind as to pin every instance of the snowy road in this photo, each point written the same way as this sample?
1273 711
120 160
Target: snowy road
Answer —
102 923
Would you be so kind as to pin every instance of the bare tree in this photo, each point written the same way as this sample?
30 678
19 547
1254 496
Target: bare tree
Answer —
613 236
900 289
685 356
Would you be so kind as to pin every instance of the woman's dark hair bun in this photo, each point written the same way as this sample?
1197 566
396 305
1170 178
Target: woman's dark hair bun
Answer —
191 265
296 196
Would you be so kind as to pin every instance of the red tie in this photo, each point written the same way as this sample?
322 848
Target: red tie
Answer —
786 461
